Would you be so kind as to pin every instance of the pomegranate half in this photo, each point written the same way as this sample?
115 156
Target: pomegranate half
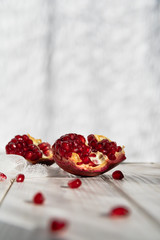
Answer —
73 154
33 150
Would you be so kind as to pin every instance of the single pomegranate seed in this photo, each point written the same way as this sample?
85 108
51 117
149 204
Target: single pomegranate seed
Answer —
58 224
118 175
92 155
3 177
38 198
119 149
111 156
76 183
119 212
20 178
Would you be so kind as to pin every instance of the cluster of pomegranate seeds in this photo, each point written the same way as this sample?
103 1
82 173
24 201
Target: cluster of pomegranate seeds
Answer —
38 198
20 178
119 212
105 146
24 146
72 142
58 224
76 183
118 175
3 177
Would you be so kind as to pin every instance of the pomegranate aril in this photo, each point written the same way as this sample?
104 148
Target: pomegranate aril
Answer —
25 137
3 177
111 156
29 141
119 149
119 212
28 155
20 178
66 146
86 160
58 224
82 138
92 155
76 183
79 163
38 198
91 137
118 175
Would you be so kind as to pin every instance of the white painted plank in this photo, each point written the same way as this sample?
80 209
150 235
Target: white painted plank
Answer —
84 208
4 187
141 184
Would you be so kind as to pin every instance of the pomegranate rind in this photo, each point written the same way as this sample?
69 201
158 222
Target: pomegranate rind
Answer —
70 164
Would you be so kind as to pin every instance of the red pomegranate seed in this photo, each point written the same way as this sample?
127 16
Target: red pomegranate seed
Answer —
3 177
58 224
38 198
119 212
76 183
20 178
118 175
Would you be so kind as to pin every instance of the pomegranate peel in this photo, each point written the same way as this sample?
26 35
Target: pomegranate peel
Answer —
73 154
33 150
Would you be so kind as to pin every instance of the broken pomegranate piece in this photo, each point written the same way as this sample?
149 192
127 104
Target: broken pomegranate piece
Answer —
33 150
73 154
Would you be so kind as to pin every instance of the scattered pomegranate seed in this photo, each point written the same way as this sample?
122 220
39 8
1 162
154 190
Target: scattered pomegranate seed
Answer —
118 175
3 177
58 224
20 178
119 212
76 183
38 198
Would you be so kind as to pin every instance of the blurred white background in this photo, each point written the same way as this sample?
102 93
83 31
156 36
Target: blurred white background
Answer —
84 66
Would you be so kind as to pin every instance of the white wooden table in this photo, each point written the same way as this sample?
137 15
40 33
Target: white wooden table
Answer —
84 208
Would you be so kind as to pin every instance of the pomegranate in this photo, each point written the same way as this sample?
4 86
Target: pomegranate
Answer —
73 154
33 150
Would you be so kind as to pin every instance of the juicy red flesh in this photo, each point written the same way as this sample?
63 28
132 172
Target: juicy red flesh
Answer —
76 183
38 198
20 178
58 224
118 175
119 212
22 145
72 142
104 146
3 177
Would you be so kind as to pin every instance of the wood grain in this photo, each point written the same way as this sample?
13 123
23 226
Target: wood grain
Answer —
85 208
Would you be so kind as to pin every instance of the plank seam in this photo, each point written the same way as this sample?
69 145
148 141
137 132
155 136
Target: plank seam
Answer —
11 183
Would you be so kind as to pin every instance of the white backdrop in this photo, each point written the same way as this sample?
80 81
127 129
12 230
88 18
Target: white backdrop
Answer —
84 66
